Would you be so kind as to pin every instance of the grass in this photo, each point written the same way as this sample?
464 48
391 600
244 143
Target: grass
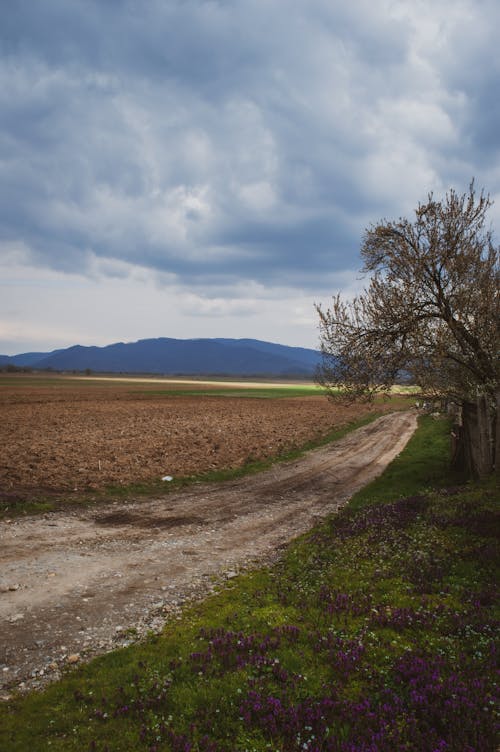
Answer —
268 392
376 631
423 465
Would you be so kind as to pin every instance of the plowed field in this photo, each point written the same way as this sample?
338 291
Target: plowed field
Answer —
71 436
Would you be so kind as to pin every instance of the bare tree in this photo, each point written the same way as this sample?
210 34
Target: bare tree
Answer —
431 310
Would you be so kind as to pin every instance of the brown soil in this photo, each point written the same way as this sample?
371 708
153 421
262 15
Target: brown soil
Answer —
58 438
73 583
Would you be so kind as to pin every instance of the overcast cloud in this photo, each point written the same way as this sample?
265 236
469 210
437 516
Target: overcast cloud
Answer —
199 168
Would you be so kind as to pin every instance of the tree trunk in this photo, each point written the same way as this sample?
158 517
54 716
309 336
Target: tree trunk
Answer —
476 439
497 435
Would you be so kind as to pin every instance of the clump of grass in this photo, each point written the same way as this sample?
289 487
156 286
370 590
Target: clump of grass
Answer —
376 631
424 464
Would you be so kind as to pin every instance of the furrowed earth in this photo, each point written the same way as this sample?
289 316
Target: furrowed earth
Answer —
67 438
86 579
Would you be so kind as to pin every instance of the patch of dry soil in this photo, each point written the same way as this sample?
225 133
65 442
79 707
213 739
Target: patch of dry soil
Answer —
64 440
76 583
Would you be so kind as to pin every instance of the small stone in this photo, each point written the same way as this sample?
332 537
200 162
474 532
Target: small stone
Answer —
231 575
52 666
73 658
14 587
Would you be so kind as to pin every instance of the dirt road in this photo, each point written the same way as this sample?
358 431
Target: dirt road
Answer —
74 584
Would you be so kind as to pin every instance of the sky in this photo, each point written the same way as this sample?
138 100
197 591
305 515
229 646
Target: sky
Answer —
207 168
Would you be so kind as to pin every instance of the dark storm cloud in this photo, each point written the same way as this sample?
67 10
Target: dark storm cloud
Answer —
470 69
217 141
481 123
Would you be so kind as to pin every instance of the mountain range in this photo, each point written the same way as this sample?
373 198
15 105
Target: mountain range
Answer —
195 357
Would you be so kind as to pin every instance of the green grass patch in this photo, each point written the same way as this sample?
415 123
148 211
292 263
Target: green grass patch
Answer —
424 464
268 392
376 628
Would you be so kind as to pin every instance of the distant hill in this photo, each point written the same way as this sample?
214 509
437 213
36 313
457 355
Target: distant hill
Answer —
196 357
25 359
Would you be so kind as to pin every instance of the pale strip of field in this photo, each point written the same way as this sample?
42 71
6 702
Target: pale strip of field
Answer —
401 389
407 389
201 382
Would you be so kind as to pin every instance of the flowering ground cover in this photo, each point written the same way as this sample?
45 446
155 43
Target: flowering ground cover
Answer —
376 632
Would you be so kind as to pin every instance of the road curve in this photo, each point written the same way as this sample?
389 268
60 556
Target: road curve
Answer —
72 583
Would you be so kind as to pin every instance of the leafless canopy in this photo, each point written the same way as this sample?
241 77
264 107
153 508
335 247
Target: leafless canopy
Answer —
431 310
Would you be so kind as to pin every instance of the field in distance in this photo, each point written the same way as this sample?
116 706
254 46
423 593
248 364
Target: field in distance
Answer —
68 434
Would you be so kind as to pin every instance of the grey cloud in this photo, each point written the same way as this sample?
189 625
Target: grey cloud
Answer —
481 125
469 65
194 139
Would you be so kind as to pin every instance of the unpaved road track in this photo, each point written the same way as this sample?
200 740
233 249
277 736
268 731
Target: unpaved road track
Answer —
72 583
